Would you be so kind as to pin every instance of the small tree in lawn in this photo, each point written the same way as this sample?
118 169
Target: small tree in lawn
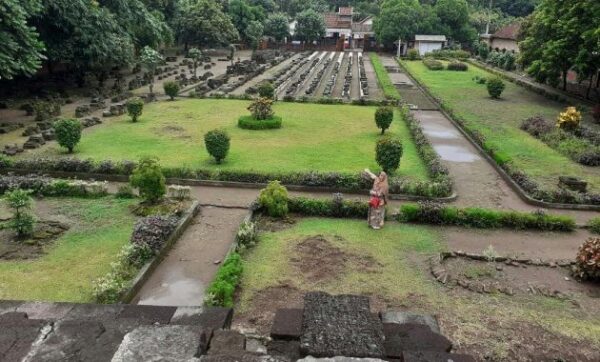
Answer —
171 89
388 153
148 178
217 144
261 108
384 117
274 198
495 87
19 201
266 90
68 133
150 59
196 55
134 108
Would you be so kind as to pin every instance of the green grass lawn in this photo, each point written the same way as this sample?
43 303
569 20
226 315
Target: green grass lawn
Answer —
396 273
98 230
313 138
499 121
389 90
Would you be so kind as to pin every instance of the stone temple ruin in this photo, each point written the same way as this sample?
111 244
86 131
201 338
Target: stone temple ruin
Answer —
328 328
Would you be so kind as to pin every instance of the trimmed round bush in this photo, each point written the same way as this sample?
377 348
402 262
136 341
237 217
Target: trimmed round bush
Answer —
134 108
149 179
384 117
388 152
171 89
458 66
274 198
217 144
68 133
266 90
412 54
495 87
248 122
433 64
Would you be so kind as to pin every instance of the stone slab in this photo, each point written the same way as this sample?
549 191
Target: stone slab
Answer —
287 324
161 343
41 310
95 311
7 306
284 349
400 338
436 357
226 341
18 334
148 313
340 325
401 317
215 318
187 315
339 359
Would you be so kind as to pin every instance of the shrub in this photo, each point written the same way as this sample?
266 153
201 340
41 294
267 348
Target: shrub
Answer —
328 208
125 192
458 66
483 50
594 225
246 235
68 133
274 198
171 89
569 119
248 122
384 117
217 144
220 292
266 90
261 108
507 61
153 231
134 108
388 152
495 87
149 179
44 110
536 126
413 54
433 64
479 80
587 262
596 113
19 201
450 54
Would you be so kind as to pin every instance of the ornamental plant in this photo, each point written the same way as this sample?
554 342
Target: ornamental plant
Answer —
68 133
569 119
148 178
19 201
274 198
587 262
266 90
261 108
495 87
134 108
383 118
217 144
171 89
388 152
412 54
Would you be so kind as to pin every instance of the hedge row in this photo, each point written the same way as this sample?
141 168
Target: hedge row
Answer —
336 207
220 291
305 99
248 122
47 186
347 182
389 89
434 213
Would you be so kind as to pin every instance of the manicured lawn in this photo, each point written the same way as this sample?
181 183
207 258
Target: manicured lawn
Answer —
391 266
389 90
313 138
499 121
98 230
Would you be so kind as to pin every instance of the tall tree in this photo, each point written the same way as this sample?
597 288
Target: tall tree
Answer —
242 15
254 33
203 23
20 46
277 26
454 15
311 25
403 19
150 60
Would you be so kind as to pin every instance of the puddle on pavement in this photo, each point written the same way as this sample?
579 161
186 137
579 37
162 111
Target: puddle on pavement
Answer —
436 131
455 153
176 290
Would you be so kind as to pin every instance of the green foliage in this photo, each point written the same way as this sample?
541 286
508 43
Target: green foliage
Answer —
196 55
221 290
150 59
495 87
328 208
594 225
134 108
388 152
383 78
261 108
254 33
433 64
171 89
148 178
203 23
449 54
413 54
266 90
217 144
277 26
125 192
246 235
249 122
19 201
458 66
274 198
384 117
483 50
68 133
310 25
45 110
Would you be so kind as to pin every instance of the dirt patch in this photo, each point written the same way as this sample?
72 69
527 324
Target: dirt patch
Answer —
173 130
44 234
166 206
318 260
270 224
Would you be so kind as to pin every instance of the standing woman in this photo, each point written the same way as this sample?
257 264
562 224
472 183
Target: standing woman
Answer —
379 195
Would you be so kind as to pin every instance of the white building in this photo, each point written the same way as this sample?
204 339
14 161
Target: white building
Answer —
428 43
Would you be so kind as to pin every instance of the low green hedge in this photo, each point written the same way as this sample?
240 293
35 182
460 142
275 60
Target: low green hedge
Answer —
220 291
248 122
594 225
433 213
328 208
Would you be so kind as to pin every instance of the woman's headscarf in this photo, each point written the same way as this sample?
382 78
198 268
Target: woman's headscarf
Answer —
381 184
